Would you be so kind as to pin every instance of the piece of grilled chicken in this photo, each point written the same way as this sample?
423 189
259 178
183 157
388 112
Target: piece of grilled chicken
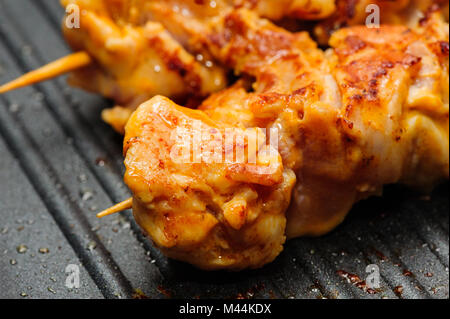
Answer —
371 111
358 12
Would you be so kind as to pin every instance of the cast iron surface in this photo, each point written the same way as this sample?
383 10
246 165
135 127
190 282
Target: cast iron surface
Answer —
59 165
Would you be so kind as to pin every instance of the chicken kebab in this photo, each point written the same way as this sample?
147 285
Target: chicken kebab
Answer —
370 111
125 52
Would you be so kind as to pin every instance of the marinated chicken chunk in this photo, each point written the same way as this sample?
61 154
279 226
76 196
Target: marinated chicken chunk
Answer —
208 212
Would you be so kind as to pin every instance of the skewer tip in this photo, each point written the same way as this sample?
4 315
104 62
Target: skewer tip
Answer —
66 64
126 204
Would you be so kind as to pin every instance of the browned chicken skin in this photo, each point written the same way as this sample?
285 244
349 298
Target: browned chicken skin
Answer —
373 110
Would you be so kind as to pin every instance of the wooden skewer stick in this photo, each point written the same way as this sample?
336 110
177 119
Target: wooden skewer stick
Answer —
66 64
126 204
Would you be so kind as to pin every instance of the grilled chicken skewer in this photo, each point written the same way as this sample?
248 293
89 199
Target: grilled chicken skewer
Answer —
372 111
125 53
